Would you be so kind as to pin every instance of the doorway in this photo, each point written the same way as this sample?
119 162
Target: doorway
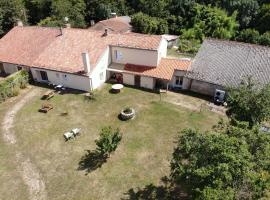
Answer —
44 75
137 81
2 70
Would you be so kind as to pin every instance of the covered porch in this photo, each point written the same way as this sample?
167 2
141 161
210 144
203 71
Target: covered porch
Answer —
116 73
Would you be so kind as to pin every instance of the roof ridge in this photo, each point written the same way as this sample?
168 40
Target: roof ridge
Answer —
237 42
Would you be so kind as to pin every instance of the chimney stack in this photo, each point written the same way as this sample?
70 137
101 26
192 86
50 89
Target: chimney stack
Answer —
113 15
20 23
68 25
92 22
105 32
86 62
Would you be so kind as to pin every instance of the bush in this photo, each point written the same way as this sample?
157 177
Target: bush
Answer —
249 35
11 85
108 140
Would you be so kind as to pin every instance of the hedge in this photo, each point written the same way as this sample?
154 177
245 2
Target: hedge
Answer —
12 84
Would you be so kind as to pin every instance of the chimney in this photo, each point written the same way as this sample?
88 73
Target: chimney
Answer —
92 22
20 23
68 25
105 32
86 62
113 15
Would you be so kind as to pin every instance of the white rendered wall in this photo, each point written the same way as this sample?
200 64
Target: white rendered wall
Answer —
147 82
135 56
68 80
128 79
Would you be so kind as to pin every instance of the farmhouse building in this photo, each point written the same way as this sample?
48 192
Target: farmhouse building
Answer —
85 59
221 63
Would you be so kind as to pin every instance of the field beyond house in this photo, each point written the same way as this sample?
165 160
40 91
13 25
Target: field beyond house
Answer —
142 158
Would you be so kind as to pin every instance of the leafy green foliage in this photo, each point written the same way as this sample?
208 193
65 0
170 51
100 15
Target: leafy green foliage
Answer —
10 12
263 18
231 162
249 35
11 85
108 141
143 23
249 102
73 9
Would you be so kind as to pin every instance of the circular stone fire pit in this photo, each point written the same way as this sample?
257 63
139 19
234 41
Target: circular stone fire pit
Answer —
127 113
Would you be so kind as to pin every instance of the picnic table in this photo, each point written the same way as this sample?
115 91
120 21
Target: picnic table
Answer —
47 95
45 108
117 87
72 134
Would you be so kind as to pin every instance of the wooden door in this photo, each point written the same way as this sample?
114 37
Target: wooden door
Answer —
137 81
2 71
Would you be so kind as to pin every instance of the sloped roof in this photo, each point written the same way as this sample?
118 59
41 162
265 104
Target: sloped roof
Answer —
226 63
47 48
164 70
118 25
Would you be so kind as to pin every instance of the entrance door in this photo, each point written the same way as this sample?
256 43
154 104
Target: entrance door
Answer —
44 75
2 71
137 81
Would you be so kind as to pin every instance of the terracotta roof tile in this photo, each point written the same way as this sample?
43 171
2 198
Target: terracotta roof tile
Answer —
118 25
46 48
164 70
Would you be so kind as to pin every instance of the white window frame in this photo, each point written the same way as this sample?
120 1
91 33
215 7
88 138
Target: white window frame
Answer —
180 81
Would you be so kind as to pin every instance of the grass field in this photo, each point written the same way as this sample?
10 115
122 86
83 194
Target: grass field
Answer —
142 157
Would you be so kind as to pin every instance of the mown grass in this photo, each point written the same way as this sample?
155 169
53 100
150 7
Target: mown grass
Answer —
142 157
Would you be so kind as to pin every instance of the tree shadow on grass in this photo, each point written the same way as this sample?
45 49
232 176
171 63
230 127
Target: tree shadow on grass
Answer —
165 191
91 161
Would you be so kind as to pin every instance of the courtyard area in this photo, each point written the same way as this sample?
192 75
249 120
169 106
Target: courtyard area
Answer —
142 158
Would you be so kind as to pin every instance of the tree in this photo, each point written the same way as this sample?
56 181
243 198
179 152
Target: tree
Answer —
10 12
263 18
246 9
249 102
230 162
108 141
37 10
265 39
73 9
248 35
143 23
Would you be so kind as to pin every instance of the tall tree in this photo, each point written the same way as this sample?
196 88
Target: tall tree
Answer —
249 102
10 12
263 18
73 9
37 10
230 162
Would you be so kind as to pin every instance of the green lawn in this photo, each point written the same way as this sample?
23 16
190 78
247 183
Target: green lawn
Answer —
142 157
174 54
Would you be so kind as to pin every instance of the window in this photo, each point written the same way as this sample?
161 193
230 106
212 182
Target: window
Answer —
118 55
57 75
44 75
178 80
101 76
19 68
64 77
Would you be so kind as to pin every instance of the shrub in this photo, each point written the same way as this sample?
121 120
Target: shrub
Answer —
11 85
108 140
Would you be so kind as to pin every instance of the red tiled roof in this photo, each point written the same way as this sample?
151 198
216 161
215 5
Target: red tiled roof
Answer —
114 24
22 45
45 48
164 70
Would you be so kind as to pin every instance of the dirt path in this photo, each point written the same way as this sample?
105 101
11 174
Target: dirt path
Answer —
29 172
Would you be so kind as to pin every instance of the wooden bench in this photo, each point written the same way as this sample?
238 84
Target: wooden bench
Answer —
45 108
47 95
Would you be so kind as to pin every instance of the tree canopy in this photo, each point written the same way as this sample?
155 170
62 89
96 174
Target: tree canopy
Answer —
229 162
215 18
249 102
